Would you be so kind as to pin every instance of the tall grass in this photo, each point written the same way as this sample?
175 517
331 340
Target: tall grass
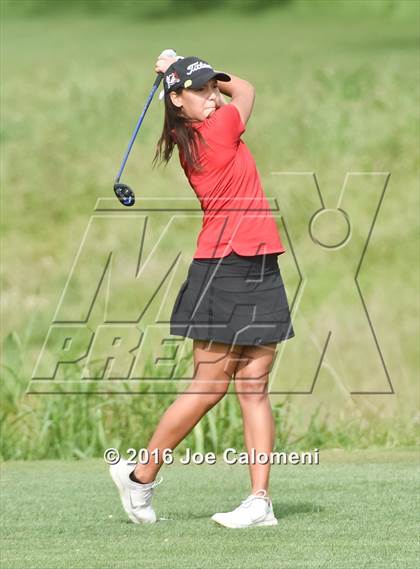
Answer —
63 425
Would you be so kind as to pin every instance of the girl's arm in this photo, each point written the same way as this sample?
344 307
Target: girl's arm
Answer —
242 95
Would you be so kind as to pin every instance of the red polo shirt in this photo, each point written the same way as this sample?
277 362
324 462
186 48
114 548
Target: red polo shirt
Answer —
237 214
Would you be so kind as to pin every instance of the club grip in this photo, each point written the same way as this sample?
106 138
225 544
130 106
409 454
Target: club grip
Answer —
159 76
158 80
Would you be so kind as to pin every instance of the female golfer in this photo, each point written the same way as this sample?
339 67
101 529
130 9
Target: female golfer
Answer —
233 303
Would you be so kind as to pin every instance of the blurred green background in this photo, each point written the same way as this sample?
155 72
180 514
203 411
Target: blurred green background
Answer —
337 87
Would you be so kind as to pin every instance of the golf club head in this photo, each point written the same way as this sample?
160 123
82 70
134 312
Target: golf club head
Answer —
125 194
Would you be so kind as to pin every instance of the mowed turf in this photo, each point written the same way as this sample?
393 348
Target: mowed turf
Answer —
352 510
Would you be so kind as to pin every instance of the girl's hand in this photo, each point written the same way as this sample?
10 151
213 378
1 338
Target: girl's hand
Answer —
220 100
163 62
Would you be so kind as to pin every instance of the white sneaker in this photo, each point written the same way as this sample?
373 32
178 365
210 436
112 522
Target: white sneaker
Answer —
136 498
256 510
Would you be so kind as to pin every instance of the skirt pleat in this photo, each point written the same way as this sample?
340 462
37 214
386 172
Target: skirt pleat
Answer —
235 299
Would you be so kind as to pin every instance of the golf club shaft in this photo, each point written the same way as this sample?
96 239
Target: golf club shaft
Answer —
133 136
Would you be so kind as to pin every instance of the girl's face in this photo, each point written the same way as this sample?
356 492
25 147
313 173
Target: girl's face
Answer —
197 104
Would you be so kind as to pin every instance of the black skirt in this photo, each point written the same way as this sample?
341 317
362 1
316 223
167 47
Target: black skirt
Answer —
236 299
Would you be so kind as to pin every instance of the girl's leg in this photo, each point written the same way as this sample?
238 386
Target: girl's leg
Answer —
214 365
251 384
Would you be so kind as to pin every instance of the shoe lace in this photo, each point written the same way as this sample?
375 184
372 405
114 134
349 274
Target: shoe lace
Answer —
146 493
248 501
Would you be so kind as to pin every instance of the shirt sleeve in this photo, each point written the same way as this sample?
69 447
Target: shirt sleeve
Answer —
226 124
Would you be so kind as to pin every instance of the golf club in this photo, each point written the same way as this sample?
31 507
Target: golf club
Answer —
123 192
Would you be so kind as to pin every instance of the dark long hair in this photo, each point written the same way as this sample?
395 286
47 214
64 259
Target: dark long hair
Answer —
177 130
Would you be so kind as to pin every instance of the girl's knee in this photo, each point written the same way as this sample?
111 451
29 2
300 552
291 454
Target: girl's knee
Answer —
251 391
216 397
209 392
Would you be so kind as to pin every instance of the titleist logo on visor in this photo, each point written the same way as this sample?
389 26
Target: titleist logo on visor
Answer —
196 66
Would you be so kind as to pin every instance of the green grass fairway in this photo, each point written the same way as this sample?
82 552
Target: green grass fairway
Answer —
352 510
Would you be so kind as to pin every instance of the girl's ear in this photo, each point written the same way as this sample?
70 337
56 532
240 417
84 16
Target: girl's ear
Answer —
176 99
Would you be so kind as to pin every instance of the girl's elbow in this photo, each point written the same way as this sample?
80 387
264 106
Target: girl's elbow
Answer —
251 87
